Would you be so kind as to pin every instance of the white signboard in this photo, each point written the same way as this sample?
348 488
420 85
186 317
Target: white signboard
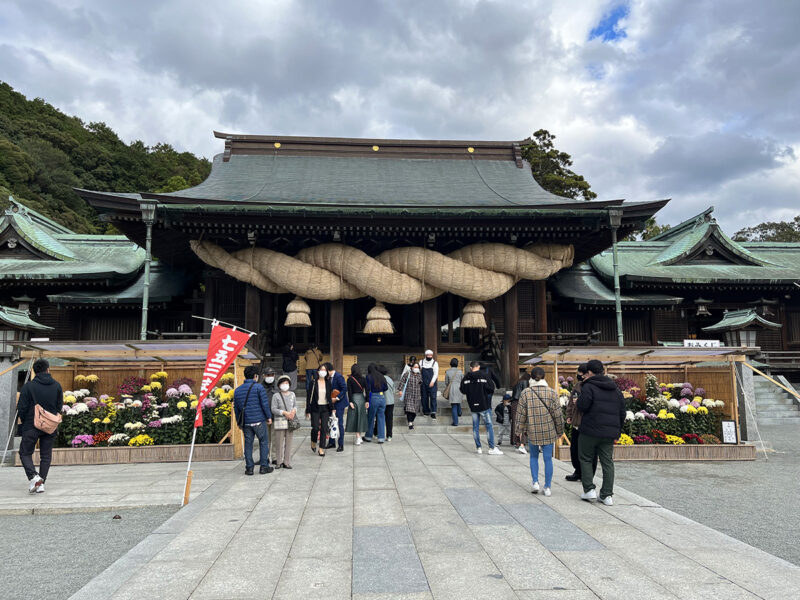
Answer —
729 432
701 344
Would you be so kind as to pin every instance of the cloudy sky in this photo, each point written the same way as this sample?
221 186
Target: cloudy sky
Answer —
694 101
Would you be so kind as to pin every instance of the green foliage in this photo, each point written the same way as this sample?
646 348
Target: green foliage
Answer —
551 169
771 231
44 154
651 229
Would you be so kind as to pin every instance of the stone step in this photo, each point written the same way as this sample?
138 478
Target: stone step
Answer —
774 402
779 421
778 414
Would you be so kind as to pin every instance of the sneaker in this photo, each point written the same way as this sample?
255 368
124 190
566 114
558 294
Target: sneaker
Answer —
608 501
589 496
358 441
340 449
433 416
547 492
499 443
248 471
573 477
368 440
34 483
265 470
522 450
480 451
411 426
495 451
40 490
535 489
389 439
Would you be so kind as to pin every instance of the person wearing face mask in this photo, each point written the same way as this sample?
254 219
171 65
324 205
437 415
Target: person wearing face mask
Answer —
410 390
357 395
284 405
271 387
340 403
574 419
318 409
524 380
430 379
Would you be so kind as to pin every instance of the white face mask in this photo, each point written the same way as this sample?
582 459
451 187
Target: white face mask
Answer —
284 387
269 379
415 369
322 374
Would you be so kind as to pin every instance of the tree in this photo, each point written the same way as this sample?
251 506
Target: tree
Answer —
651 229
771 231
550 167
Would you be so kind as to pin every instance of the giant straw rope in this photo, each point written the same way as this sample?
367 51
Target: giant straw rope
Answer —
397 276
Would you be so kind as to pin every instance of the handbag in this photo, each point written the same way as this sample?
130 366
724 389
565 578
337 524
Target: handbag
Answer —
44 420
240 413
333 427
283 423
446 392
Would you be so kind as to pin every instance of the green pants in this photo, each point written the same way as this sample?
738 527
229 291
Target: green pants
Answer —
590 447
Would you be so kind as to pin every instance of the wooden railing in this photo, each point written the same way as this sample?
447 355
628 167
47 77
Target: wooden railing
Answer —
781 360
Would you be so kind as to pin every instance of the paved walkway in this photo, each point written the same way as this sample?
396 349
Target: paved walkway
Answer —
425 517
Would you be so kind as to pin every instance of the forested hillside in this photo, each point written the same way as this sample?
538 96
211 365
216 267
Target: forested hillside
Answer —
44 154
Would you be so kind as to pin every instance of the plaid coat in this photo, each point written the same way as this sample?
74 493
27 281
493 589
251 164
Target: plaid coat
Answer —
539 416
412 398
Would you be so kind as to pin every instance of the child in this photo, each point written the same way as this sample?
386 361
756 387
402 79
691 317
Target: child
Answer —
503 416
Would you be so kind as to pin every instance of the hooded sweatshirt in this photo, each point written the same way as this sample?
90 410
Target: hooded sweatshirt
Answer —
603 407
477 387
43 390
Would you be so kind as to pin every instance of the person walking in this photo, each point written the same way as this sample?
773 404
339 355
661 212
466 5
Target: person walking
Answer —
407 367
357 394
539 419
478 388
313 360
339 402
251 405
284 407
603 415
376 399
502 414
289 365
390 395
44 392
318 409
452 383
430 379
410 386
522 384
574 419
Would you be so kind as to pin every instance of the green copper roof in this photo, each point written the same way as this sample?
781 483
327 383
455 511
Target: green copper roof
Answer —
739 319
584 287
165 284
56 253
20 319
698 252
334 180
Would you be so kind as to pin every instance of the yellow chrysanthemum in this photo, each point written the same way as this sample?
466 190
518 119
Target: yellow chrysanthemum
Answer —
691 410
156 385
193 404
95 420
181 404
69 399
702 410
192 397
106 421
146 388
670 416
625 440
92 378
80 378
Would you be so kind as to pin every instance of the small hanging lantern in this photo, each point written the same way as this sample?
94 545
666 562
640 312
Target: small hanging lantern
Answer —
702 307
472 317
298 313
379 320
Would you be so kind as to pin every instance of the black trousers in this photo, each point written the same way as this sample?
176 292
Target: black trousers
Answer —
319 426
27 447
411 416
574 456
389 419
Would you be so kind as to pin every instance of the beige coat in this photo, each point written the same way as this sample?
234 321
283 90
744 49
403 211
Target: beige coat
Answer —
539 415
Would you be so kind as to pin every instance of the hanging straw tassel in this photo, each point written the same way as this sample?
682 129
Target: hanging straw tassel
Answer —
298 313
472 316
379 320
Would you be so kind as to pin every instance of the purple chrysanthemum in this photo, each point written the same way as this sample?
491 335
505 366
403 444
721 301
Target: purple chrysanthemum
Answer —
700 392
184 390
173 393
154 424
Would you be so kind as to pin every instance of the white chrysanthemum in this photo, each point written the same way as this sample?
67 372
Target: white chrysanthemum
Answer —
562 400
709 403
171 420
673 403
72 411
719 404
133 426
684 408
136 403
80 407
639 416
629 415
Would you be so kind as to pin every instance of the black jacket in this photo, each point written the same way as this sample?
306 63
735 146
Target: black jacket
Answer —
500 412
602 406
290 358
44 390
476 386
313 401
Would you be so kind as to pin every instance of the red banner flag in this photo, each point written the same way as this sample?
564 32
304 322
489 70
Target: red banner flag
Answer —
223 347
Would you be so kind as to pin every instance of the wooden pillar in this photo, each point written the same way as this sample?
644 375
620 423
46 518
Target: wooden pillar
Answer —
252 312
430 325
540 306
511 335
337 334
653 328
209 301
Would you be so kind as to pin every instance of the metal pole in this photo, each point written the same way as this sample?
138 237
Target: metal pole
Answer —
615 220
148 221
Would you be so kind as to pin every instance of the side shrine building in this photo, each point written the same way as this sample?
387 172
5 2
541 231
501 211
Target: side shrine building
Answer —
372 247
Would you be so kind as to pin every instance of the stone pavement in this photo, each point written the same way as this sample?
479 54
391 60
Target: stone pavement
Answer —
425 517
107 487
420 517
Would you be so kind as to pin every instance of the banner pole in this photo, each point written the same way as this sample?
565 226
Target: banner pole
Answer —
188 485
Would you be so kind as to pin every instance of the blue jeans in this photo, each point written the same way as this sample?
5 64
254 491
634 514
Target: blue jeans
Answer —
250 432
487 423
377 408
456 408
547 453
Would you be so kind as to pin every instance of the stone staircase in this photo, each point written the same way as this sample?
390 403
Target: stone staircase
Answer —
774 406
